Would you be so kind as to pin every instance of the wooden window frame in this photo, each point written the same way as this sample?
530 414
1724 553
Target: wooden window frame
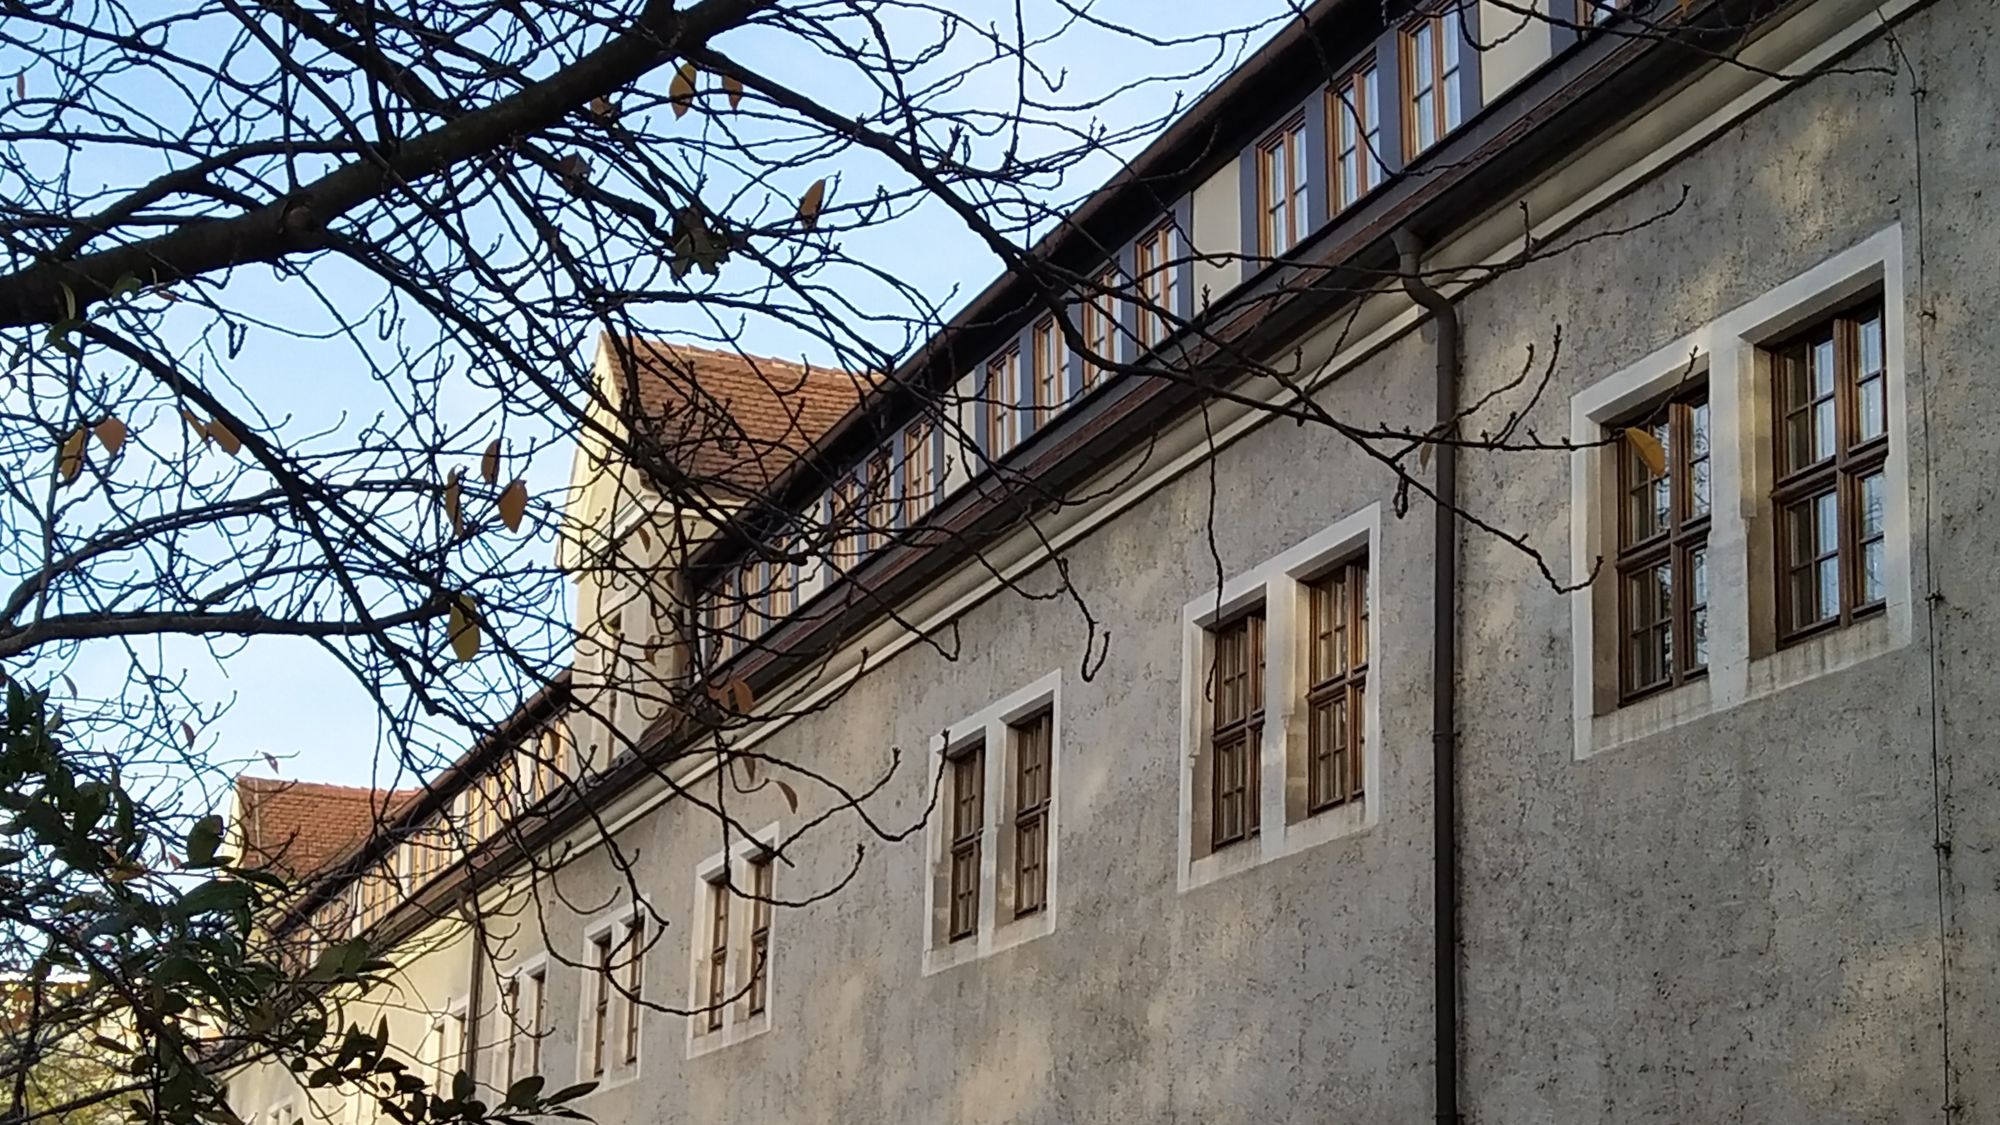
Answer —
1351 110
1003 414
757 995
1157 287
881 505
1033 741
847 514
510 1012
1855 458
1674 545
1100 326
919 484
1337 613
715 988
1236 728
600 1032
1051 371
635 972
966 768
1283 181
1445 23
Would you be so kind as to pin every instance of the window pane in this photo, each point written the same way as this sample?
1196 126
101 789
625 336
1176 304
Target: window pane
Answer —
1812 537
1871 539
1649 601
1450 34
1698 608
1698 465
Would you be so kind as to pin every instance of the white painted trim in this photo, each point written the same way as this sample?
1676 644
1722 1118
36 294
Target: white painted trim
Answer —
1740 483
617 1072
733 866
518 1026
1275 583
990 727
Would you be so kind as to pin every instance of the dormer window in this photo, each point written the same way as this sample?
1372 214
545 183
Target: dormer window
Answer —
1356 116
1431 105
1281 188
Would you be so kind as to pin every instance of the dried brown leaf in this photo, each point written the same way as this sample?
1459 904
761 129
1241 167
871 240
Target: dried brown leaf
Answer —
489 463
111 435
514 504
791 795
69 461
463 628
740 698
734 89
229 442
454 508
809 203
604 109
681 90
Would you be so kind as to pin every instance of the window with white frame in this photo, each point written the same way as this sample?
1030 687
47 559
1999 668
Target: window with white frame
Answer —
523 1022
598 989
993 840
1741 513
1278 746
614 990
731 970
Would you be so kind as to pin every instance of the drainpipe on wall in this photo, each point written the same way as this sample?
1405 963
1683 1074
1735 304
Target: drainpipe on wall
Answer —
473 989
1444 679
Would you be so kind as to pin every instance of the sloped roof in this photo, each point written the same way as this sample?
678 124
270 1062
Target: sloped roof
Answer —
726 418
298 828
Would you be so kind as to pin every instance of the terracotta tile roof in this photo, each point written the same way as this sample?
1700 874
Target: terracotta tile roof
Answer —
297 828
729 420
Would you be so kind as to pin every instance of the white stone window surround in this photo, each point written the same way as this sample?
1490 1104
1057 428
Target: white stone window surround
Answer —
1278 583
998 929
519 1025
1744 661
617 1072
731 866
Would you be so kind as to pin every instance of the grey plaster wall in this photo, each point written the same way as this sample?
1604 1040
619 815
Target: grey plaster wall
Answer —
1739 919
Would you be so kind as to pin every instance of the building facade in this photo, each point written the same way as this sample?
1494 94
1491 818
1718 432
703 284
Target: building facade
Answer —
1724 818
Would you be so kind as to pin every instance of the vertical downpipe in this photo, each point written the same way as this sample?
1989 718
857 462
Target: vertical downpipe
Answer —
1444 679
473 988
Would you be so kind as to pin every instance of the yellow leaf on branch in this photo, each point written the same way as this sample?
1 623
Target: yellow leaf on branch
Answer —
1648 448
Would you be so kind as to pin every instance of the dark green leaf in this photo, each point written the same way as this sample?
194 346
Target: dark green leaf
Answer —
203 841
